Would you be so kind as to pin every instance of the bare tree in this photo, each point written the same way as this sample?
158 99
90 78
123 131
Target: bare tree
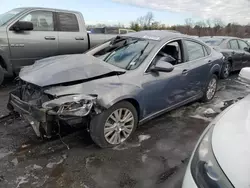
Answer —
189 24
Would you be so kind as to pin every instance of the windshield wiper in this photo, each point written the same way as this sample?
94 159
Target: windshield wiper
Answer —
133 62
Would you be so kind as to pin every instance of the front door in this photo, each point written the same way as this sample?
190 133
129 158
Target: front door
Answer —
236 55
41 42
162 90
245 53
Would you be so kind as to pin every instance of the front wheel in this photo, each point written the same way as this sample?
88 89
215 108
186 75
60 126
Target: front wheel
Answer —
226 69
210 89
115 125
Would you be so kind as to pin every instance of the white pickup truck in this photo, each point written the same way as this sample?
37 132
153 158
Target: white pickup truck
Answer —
30 34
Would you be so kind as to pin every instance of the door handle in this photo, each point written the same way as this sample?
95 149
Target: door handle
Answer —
50 38
185 71
79 38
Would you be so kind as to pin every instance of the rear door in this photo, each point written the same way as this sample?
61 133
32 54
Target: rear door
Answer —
72 36
41 42
245 53
199 60
236 54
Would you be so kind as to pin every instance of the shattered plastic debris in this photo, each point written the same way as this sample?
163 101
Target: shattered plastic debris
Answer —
143 137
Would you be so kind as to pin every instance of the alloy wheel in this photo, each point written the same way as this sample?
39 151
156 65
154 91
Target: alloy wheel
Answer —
119 126
226 70
211 88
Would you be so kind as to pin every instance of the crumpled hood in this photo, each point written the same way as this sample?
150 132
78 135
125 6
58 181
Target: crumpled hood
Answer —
231 143
66 68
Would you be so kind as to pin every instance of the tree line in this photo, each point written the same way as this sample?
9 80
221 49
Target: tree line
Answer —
208 27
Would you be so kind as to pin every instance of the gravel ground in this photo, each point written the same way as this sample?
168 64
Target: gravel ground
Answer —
155 157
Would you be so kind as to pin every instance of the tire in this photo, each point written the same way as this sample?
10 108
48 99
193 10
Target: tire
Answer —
1 75
208 97
226 69
98 125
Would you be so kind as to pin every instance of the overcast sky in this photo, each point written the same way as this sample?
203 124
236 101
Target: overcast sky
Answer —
166 11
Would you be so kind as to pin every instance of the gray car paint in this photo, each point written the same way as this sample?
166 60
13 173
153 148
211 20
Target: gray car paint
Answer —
155 93
58 70
18 49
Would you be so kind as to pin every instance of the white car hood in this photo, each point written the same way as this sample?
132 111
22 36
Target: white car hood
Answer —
231 143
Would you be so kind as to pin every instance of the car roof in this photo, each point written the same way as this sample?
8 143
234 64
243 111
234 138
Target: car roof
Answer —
219 37
50 9
157 35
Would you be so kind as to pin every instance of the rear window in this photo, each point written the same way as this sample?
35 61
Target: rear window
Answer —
212 42
68 22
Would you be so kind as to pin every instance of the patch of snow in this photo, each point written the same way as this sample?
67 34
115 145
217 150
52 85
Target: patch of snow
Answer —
21 180
4 153
219 105
37 167
51 165
209 111
125 146
144 158
15 161
84 186
64 156
143 137
202 117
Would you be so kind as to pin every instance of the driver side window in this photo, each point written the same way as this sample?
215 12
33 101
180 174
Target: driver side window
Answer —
42 20
171 53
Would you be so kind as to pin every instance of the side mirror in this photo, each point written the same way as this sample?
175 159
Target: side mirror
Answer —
22 26
247 49
244 75
162 66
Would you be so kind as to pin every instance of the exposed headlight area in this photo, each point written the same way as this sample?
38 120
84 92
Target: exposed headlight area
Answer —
205 169
72 105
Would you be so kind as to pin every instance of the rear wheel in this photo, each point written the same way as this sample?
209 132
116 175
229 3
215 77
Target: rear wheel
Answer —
226 69
115 125
210 89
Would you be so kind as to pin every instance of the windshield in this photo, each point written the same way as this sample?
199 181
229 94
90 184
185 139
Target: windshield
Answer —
126 53
212 41
4 18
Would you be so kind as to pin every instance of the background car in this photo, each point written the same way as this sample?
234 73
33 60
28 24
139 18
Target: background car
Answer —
247 40
235 50
110 30
117 85
221 156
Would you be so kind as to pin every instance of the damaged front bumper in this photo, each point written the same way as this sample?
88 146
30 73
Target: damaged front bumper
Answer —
67 108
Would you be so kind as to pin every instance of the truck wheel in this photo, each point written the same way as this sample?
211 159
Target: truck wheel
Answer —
1 75
115 125
210 89
226 69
